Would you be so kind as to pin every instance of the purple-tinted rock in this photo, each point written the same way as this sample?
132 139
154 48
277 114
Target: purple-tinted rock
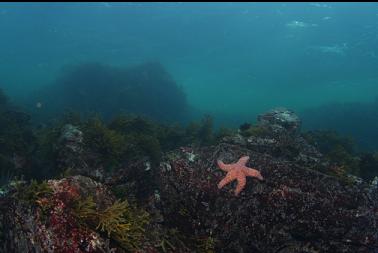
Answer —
278 134
50 225
295 209
280 119
70 150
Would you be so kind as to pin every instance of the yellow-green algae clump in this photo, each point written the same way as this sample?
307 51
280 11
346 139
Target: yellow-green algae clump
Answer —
121 221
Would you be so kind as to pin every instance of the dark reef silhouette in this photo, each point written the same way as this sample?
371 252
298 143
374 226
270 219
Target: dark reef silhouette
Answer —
146 90
358 120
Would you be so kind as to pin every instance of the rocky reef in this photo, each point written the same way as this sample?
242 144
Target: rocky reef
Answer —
296 208
69 215
146 89
355 119
16 140
174 205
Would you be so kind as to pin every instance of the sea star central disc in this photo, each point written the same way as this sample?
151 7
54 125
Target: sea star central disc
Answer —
238 171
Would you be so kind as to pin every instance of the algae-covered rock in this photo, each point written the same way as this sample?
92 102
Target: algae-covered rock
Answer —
281 118
297 208
74 214
277 134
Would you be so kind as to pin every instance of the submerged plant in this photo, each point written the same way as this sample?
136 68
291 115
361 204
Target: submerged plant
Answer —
122 222
130 124
108 144
224 132
85 209
254 130
206 244
369 166
5 177
339 150
201 133
33 192
170 240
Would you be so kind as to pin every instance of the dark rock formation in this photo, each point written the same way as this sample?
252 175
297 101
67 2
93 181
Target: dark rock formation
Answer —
29 228
295 209
70 150
146 89
279 135
16 139
354 119
280 118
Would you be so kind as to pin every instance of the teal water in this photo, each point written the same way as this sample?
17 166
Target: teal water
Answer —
233 60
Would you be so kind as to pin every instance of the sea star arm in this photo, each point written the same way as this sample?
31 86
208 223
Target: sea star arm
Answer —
224 167
253 173
228 179
241 184
243 160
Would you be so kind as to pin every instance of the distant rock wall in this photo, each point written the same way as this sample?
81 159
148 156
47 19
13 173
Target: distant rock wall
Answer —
146 89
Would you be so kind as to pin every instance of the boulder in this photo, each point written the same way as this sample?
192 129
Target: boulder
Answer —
296 208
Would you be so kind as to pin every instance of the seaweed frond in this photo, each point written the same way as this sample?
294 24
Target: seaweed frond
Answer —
112 219
122 222
33 192
85 209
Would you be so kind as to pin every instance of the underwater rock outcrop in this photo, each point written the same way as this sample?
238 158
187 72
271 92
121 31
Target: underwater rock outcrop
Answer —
280 118
298 207
146 89
74 214
277 133
38 219
70 150
16 140
295 209
354 119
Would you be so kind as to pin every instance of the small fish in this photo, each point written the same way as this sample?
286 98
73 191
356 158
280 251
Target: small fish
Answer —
38 105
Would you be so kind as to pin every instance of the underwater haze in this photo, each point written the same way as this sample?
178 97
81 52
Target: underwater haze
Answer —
189 127
232 60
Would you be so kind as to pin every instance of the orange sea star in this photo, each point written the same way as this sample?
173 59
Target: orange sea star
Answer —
238 171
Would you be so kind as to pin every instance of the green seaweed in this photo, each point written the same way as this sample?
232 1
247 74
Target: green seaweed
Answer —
85 209
46 152
224 132
338 150
171 136
142 134
205 133
369 165
32 192
133 124
109 145
169 240
200 133
206 244
120 221
17 141
255 130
